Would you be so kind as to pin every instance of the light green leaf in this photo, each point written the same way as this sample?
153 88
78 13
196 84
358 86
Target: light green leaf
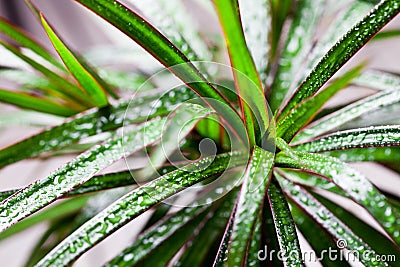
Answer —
84 77
378 80
24 100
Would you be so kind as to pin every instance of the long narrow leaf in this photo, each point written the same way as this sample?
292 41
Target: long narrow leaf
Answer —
81 169
165 237
352 182
133 204
337 229
382 136
25 40
288 126
305 21
81 74
246 77
249 205
284 225
378 80
339 54
93 122
348 113
31 102
381 154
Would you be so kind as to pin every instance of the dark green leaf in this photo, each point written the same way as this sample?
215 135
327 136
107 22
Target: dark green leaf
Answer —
382 154
342 51
381 136
135 203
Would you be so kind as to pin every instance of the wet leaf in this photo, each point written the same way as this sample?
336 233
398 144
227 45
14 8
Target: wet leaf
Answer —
344 237
343 50
288 125
378 80
306 17
133 204
249 204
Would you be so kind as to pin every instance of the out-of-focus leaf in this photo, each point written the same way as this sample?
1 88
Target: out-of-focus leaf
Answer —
249 205
27 101
386 34
346 114
279 12
378 80
135 203
336 228
256 26
343 50
248 84
66 87
22 38
93 122
306 17
84 77
288 125
52 213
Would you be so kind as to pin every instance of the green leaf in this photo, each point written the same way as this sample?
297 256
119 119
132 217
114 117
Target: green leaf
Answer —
84 77
346 18
279 13
379 242
255 21
81 169
66 87
135 203
317 237
346 114
93 122
342 51
198 248
25 40
381 136
386 34
166 53
52 213
246 77
306 17
382 154
284 226
336 228
249 205
352 182
159 244
378 80
255 244
289 124
24 100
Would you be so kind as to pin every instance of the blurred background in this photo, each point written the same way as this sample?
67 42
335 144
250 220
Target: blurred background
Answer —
84 32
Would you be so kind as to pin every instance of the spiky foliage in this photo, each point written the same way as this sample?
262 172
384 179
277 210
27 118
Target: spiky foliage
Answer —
275 171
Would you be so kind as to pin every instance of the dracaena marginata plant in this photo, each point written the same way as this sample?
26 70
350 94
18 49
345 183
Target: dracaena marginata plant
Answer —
247 150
